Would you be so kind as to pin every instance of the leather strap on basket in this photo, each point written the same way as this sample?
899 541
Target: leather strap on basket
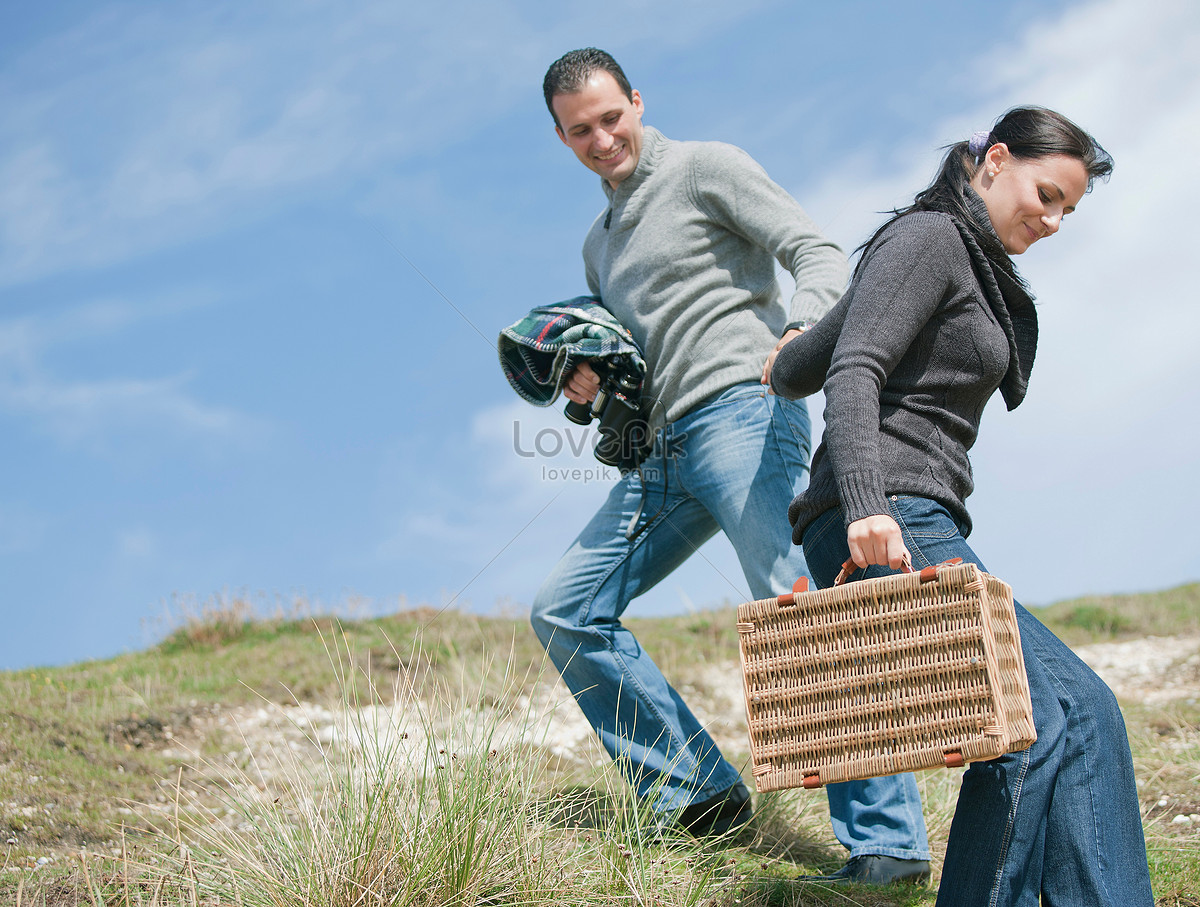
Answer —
799 587
928 574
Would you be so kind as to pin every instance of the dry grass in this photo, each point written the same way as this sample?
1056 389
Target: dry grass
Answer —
428 779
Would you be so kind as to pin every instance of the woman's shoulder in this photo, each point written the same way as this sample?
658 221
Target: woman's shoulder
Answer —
929 226
920 233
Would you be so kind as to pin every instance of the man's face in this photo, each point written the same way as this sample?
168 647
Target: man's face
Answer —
602 126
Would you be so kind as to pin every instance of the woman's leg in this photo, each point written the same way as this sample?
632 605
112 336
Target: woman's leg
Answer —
1058 821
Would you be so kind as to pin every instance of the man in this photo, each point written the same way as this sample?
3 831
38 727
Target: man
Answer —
684 256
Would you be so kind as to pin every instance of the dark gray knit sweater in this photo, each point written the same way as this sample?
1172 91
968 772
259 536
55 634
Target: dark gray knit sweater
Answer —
925 334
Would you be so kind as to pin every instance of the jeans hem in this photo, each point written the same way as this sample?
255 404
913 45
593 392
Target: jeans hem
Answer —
895 853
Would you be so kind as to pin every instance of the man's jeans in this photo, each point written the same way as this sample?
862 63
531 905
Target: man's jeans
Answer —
732 464
1059 820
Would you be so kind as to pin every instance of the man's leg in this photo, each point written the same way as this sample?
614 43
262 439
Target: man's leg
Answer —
640 718
745 456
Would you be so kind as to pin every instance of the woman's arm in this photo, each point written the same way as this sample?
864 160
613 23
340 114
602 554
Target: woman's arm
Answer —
800 367
905 276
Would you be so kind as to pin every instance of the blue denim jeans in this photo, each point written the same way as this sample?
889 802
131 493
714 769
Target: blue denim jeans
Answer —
1059 821
731 464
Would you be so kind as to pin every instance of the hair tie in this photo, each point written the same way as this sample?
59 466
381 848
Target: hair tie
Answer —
980 142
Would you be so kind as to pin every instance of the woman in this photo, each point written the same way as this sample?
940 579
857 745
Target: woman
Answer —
935 320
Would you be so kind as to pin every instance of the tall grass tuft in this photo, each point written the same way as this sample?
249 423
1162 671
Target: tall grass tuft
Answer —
425 797
216 622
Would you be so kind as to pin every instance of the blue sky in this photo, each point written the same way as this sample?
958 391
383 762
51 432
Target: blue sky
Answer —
254 257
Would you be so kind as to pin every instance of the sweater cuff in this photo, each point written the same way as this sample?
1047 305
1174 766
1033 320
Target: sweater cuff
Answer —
862 495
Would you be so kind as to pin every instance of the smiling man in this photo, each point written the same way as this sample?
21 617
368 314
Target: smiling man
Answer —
684 255
604 126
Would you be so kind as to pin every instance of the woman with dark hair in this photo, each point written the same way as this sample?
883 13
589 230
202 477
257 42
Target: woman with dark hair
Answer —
935 320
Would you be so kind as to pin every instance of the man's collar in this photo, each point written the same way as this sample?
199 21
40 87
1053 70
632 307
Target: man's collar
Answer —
653 142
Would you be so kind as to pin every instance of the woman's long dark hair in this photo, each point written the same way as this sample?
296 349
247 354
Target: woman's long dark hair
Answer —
1029 133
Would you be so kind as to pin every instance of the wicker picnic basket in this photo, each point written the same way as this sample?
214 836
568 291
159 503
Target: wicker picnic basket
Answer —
904 672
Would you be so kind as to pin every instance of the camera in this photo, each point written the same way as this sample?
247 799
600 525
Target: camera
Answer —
624 438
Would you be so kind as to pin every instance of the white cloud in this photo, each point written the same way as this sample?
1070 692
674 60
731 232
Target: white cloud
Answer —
90 412
1077 487
532 449
1107 437
1065 479
1073 485
513 515
140 126
136 544
515 484
78 411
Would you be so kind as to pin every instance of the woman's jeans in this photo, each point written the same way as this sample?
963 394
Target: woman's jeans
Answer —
1060 820
732 464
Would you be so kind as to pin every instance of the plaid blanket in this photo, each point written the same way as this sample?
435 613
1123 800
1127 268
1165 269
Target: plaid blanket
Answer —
538 351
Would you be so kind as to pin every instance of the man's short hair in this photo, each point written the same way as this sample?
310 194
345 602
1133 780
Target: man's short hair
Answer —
569 73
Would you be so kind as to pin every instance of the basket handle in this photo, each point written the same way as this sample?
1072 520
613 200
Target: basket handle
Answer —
928 574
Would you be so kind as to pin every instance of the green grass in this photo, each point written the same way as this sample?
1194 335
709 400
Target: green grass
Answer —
1104 618
128 777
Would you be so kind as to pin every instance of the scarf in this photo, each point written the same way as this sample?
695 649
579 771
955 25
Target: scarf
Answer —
1006 292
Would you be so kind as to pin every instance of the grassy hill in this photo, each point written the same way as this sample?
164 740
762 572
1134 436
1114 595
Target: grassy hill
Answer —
1098 618
412 760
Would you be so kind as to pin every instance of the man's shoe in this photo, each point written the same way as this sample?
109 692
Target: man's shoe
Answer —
875 869
715 816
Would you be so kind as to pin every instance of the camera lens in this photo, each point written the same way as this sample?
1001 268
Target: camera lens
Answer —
579 413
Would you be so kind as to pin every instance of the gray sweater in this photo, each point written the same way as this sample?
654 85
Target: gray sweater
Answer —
922 339
685 258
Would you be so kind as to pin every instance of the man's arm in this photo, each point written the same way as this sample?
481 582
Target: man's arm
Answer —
735 190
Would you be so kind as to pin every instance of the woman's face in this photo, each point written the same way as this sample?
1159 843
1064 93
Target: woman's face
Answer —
1027 199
